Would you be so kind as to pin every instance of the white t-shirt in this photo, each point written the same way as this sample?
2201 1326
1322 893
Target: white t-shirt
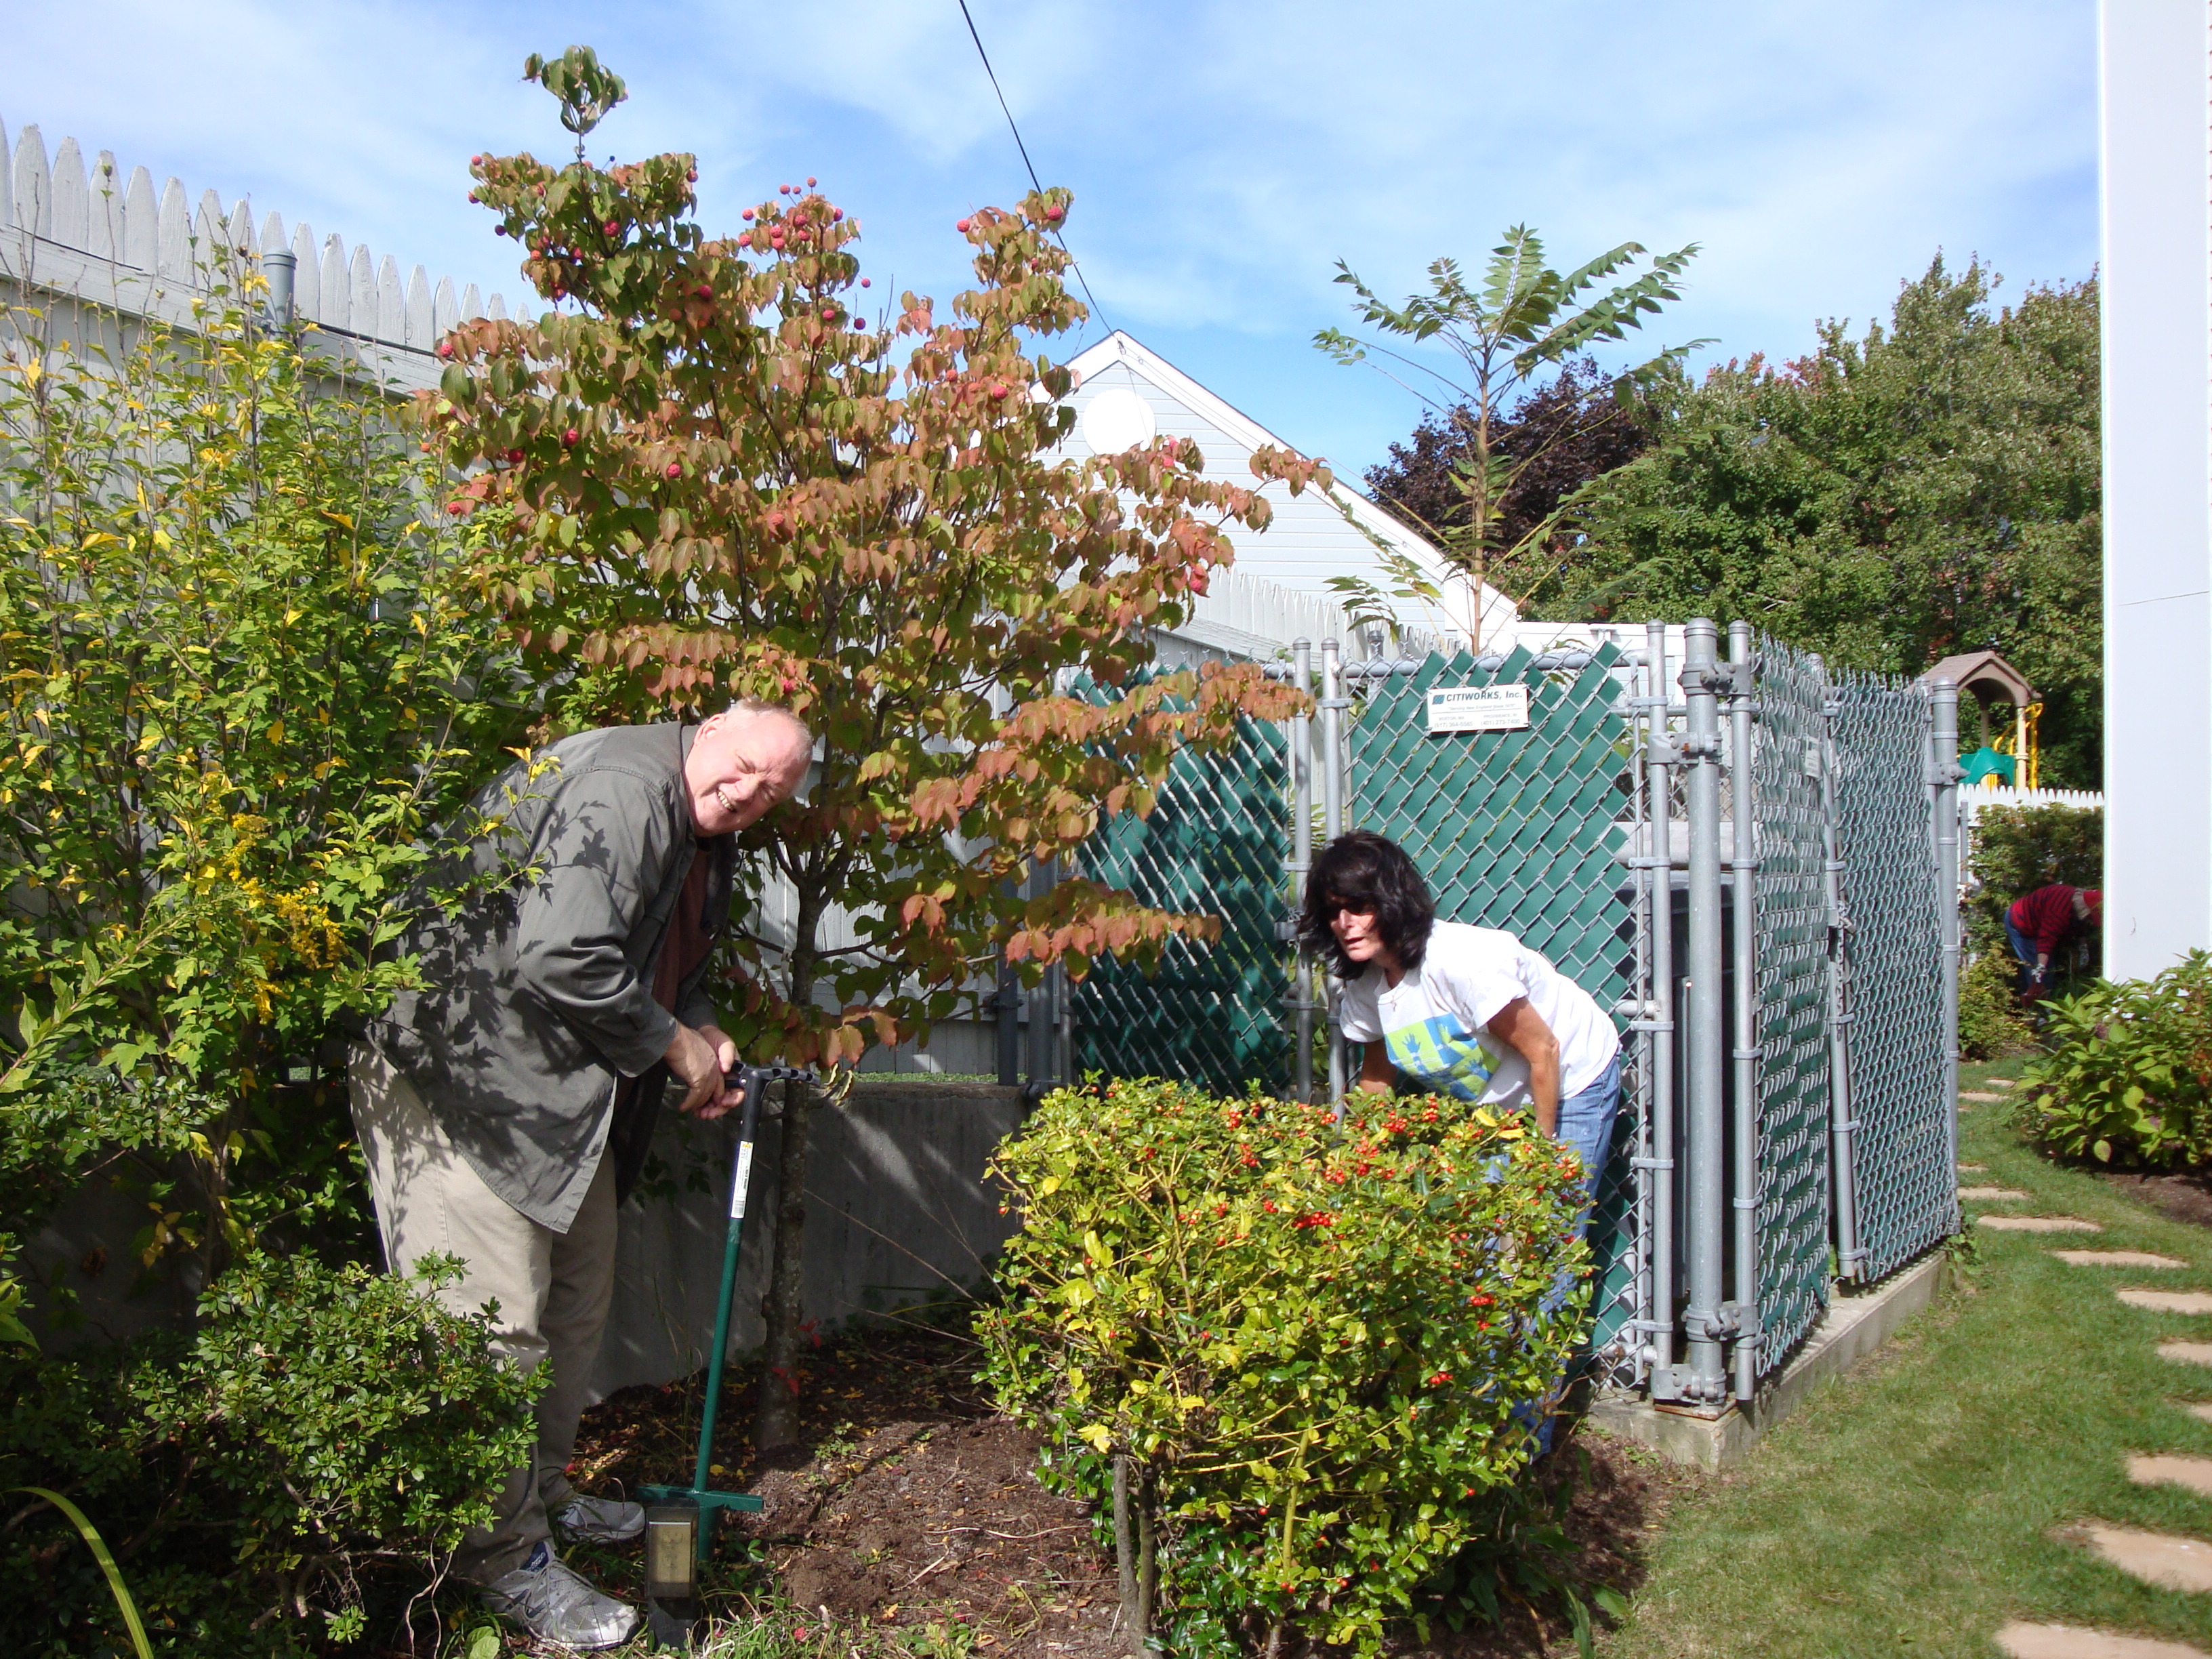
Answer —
1436 1019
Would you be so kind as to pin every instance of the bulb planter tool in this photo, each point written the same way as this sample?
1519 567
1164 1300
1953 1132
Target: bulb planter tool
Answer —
680 1520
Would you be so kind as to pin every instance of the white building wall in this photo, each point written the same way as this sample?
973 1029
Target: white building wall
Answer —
2157 164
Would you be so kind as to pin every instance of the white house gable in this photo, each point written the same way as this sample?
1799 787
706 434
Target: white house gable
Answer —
1126 394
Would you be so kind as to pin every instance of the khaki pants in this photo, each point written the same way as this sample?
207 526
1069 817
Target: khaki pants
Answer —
552 1288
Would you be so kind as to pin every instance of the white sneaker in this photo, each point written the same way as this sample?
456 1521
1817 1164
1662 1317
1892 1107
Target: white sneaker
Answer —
600 1520
547 1599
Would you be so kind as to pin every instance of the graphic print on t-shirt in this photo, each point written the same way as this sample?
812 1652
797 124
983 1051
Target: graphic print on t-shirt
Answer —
1440 1054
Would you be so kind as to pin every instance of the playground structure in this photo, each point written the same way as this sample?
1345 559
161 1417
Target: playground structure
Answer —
1748 860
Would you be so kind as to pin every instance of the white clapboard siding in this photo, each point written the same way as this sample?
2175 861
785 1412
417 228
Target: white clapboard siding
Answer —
109 234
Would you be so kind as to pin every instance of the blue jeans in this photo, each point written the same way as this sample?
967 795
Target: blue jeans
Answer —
1585 1124
2024 948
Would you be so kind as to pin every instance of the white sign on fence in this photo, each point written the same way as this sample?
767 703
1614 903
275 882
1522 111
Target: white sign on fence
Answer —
1479 708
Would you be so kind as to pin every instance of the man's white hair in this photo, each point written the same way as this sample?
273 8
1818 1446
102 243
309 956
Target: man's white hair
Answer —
760 707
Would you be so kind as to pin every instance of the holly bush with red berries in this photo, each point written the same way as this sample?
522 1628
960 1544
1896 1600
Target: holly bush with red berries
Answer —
1306 1338
720 465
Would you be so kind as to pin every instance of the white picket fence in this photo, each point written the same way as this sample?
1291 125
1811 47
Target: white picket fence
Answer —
93 233
1974 799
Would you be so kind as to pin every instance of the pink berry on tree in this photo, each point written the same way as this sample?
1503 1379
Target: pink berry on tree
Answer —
675 470
963 226
571 438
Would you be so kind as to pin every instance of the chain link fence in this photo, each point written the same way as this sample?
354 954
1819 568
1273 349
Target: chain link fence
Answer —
1524 830
1905 1188
1839 1099
1215 845
1789 888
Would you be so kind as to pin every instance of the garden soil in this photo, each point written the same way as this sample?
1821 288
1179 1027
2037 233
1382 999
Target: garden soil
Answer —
2185 1195
911 1504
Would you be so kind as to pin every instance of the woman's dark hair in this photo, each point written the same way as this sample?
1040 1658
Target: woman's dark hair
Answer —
1367 873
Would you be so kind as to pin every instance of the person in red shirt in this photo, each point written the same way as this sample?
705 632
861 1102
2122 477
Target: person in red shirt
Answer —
2038 923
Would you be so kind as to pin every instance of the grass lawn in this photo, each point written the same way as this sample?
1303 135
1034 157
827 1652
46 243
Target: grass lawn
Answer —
1911 1507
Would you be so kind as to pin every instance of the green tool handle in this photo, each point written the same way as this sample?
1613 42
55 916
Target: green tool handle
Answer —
741 1170
752 1079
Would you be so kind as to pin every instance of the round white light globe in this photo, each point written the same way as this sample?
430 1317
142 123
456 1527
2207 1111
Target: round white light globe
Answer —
1116 420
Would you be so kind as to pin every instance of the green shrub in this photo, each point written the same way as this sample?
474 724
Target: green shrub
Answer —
1307 1338
325 1423
1989 1012
2128 1075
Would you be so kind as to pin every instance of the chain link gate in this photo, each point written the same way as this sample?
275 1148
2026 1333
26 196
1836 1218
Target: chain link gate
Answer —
1525 831
1214 843
1903 1184
1789 744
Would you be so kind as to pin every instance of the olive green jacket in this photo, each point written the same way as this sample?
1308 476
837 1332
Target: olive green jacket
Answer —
537 992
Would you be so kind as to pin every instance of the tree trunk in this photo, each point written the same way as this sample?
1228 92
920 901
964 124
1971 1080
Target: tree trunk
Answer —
1135 1613
776 1421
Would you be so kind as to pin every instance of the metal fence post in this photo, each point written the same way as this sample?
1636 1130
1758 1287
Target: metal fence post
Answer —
1850 1259
1656 1165
1706 1189
1334 703
1943 776
1300 864
1743 866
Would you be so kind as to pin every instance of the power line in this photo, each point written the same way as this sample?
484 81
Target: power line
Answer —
1075 264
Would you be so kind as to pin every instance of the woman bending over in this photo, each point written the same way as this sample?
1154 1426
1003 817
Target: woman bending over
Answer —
1466 1011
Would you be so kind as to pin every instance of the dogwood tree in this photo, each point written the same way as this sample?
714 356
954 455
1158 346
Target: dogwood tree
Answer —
723 466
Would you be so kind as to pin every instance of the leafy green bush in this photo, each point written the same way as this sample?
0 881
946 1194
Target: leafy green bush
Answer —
246 660
325 1422
1989 1012
2129 1076
1306 1338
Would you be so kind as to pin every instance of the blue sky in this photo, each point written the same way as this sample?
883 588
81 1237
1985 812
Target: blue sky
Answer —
1224 155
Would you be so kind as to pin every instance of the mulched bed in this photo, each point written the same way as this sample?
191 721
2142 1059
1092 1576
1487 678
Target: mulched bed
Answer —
2184 1196
911 1503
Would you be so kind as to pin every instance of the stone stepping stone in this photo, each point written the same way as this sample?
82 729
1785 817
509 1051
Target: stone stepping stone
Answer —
2193 1472
2117 1258
1988 1192
2022 1640
2199 1409
2180 1302
1974 1169
2156 1557
1998 1082
1968 1094
2189 1354
2036 1223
